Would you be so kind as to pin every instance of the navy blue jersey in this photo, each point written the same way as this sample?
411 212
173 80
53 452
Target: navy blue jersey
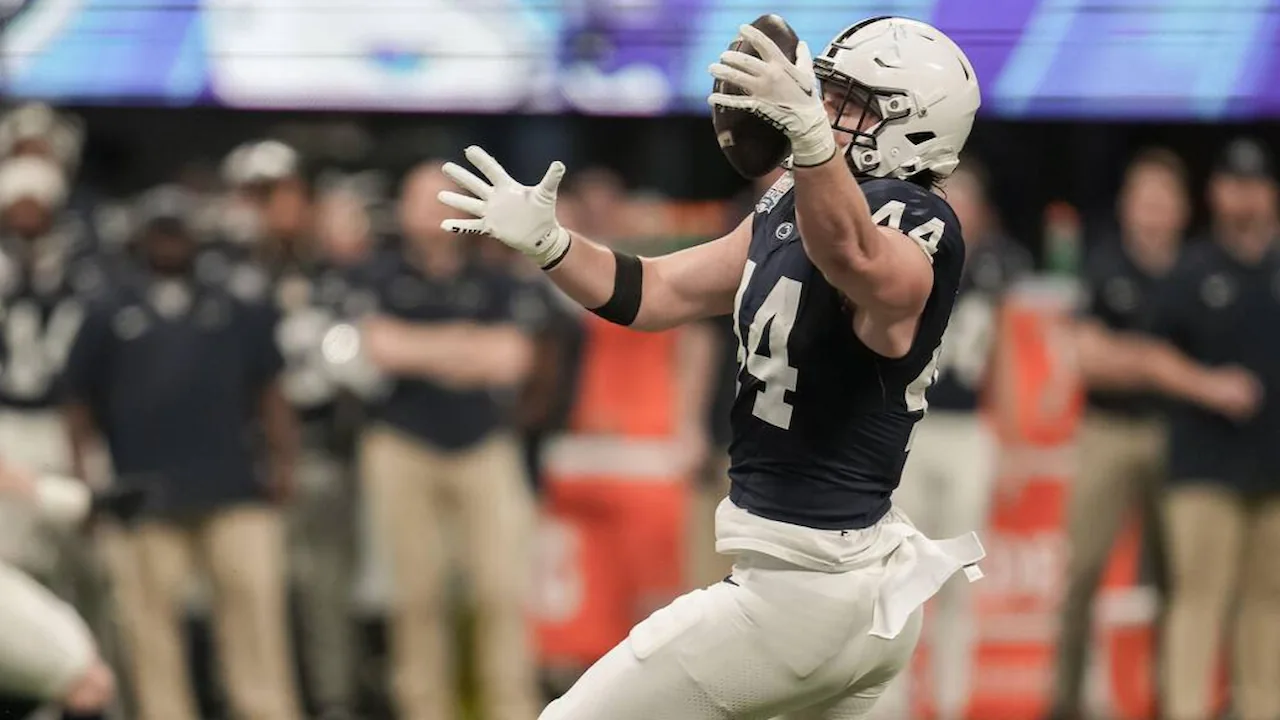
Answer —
173 373
1121 296
446 417
991 267
821 423
43 287
1220 311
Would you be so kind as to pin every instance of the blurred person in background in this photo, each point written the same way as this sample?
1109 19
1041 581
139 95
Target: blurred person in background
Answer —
36 130
1222 508
1122 446
439 458
597 197
46 278
949 478
313 254
180 380
543 402
599 200
620 478
44 283
262 180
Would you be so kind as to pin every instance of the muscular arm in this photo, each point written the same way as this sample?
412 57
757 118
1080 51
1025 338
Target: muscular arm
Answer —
881 270
694 283
458 354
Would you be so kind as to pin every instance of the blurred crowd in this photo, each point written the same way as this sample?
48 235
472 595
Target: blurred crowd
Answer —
329 409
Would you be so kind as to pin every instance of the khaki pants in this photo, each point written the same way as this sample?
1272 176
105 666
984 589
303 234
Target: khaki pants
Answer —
417 494
1122 469
322 560
1223 555
242 548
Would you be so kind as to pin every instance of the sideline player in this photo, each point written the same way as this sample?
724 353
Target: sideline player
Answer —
841 284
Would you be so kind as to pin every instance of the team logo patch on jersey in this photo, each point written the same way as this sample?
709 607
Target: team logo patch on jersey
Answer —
248 283
130 323
1121 294
1217 291
170 299
775 193
785 231
213 314
213 268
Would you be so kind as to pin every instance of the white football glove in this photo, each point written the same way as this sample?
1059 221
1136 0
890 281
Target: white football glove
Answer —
781 92
520 216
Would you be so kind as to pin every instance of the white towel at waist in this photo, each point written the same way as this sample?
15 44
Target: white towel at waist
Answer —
917 570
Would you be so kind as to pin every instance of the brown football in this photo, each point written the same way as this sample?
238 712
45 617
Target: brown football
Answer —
751 145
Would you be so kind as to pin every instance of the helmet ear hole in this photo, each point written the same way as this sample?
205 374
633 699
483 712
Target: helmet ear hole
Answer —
917 138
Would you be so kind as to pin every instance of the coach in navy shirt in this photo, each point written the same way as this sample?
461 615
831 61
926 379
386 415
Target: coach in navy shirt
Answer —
1221 306
441 456
179 379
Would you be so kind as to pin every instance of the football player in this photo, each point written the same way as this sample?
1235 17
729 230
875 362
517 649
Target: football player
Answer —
311 252
841 284
45 278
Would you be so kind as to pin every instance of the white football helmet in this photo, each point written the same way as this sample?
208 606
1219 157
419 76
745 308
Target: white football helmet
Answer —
918 85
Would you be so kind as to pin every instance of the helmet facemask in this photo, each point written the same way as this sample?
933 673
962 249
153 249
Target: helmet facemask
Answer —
879 106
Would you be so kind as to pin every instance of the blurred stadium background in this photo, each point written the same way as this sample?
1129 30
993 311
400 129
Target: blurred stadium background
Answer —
148 93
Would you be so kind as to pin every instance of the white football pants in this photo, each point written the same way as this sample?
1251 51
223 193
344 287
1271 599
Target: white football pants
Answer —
775 641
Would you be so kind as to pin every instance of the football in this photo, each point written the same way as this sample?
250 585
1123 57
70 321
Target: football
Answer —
751 145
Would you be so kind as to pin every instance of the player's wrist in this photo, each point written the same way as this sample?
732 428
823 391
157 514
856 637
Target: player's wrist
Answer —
548 250
815 146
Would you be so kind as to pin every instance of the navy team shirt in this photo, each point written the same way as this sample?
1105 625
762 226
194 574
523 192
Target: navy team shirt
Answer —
41 309
821 423
1122 297
173 375
992 266
447 418
1221 311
